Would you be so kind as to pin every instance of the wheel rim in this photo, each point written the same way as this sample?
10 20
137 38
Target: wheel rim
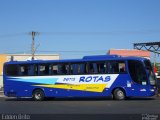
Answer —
38 95
120 94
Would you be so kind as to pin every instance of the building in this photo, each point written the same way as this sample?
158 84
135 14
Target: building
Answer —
133 52
23 57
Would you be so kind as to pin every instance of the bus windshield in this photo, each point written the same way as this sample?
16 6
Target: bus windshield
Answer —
150 72
137 72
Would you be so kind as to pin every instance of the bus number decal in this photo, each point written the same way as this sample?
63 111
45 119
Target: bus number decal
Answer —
69 79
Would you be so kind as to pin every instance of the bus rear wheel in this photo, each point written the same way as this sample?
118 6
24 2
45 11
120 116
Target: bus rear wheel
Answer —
38 95
119 94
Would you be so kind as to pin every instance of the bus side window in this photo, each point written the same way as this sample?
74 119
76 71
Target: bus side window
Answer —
77 68
23 70
67 69
82 68
113 67
43 69
60 69
33 70
92 68
71 68
30 70
53 69
116 67
11 70
122 67
74 69
63 69
95 68
86 68
101 67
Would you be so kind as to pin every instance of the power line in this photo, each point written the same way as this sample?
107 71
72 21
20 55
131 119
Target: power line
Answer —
70 51
13 35
74 51
103 33
86 33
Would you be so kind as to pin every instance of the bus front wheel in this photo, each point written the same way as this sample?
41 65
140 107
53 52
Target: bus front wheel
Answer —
38 95
119 94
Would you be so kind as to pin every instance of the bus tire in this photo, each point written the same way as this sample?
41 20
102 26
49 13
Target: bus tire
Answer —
38 95
119 94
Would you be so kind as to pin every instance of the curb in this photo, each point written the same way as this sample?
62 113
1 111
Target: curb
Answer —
1 94
158 95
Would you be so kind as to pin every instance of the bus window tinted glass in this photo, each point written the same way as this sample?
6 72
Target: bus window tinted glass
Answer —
88 68
43 69
63 69
23 70
33 70
137 72
11 70
101 67
97 67
53 69
78 68
116 67
92 68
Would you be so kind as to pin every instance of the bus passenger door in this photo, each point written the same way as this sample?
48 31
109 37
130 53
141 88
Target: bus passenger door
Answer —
138 85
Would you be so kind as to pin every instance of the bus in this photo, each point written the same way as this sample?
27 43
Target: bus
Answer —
91 76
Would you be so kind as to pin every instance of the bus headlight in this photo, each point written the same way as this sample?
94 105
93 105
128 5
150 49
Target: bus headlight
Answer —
152 82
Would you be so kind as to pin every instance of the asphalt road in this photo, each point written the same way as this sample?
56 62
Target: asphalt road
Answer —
80 106
82 109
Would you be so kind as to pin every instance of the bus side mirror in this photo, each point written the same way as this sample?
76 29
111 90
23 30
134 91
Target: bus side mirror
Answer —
147 68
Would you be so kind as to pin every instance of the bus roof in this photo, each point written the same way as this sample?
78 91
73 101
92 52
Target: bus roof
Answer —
85 58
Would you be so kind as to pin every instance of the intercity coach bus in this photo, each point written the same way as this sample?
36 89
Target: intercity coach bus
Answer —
91 76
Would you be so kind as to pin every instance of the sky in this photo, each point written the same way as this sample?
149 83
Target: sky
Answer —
75 28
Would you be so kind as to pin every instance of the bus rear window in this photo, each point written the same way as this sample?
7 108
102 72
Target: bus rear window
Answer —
11 70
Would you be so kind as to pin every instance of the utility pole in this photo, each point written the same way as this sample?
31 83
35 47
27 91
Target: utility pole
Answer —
154 59
33 43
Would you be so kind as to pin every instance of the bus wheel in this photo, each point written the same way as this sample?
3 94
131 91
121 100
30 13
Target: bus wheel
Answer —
119 94
38 95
